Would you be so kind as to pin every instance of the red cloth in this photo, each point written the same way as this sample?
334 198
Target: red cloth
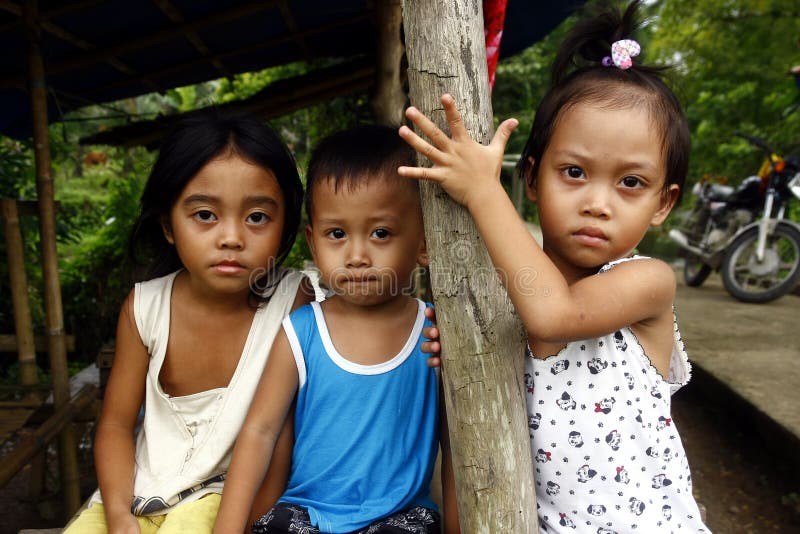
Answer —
494 16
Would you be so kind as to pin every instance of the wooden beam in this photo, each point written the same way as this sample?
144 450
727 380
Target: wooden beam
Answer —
294 34
166 71
174 14
23 325
483 339
77 42
68 458
279 98
9 343
111 51
26 449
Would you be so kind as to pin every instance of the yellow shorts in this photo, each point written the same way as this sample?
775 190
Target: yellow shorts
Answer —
195 517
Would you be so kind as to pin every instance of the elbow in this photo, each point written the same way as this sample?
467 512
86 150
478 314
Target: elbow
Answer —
555 327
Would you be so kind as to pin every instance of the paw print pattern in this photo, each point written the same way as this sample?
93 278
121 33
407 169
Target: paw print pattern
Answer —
606 451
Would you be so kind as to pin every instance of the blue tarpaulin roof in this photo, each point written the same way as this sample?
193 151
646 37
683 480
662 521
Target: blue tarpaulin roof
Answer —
98 51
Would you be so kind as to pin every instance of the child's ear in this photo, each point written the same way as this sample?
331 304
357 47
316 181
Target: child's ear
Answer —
530 182
668 199
166 228
309 233
422 255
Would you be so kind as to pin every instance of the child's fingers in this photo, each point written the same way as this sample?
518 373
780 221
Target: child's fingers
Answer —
432 174
419 144
438 138
430 347
434 361
431 333
457 128
503 133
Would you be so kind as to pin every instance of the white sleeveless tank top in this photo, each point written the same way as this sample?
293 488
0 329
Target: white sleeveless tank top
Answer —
185 444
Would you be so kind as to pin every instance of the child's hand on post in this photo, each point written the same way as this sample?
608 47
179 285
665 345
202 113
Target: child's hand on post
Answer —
463 167
432 346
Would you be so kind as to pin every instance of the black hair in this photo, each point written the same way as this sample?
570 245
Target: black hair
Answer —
579 75
353 157
188 148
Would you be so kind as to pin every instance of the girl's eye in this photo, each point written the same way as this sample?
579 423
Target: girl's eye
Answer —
205 216
574 172
258 218
381 233
337 233
632 182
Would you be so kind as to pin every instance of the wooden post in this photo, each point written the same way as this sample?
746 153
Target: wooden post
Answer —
34 444
389 97
482 336
23 325
57 350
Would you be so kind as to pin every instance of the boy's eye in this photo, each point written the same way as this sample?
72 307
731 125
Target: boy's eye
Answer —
381 233
337 233
631 181
258 218
574 172
204 216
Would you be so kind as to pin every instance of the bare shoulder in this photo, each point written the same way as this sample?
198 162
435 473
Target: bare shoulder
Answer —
127 319
305 293
653 275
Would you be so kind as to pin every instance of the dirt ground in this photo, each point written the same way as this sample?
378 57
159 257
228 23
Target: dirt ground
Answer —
744 488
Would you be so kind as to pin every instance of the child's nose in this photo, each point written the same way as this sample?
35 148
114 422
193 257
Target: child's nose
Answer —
596 203
357 254
230 235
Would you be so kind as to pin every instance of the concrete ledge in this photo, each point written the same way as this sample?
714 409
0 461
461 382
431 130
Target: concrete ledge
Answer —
748 355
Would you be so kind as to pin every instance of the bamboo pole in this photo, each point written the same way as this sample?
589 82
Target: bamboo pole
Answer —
23 325
34 444
57 350
481 334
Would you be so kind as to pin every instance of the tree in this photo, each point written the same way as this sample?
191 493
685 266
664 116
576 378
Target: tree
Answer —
732 61
482 337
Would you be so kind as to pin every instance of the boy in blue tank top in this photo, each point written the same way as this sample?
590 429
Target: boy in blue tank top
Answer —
367 416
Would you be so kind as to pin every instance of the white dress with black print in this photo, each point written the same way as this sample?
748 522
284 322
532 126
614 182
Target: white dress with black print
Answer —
606 454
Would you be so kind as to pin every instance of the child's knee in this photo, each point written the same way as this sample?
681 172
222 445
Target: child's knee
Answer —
90 521
197 517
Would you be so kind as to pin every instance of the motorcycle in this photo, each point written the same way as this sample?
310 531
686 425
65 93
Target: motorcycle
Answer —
742 232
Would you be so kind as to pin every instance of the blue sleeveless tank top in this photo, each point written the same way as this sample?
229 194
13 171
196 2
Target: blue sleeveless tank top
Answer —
366 436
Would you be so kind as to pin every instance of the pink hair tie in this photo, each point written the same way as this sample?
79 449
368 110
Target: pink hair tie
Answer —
621 54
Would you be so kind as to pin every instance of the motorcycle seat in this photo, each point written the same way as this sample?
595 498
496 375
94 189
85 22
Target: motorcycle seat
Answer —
717 192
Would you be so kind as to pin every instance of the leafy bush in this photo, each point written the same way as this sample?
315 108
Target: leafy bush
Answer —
96 277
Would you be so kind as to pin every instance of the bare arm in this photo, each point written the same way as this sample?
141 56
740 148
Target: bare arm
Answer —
450 521
551 309
277 476
257 438
114 442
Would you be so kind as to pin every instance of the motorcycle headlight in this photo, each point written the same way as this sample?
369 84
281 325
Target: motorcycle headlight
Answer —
794 185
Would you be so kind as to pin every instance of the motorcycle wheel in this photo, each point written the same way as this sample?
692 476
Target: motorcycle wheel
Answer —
695 271
750 281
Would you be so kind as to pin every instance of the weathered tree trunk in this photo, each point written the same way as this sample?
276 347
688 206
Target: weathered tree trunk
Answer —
389 96
482 337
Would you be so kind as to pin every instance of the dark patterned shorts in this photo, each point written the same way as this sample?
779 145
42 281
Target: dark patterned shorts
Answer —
288 518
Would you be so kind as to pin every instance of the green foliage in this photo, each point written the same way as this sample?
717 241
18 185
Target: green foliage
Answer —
16 169
733 58
96 275
730 62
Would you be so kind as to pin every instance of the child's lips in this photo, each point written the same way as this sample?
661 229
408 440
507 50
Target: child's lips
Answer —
229 267
590 235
